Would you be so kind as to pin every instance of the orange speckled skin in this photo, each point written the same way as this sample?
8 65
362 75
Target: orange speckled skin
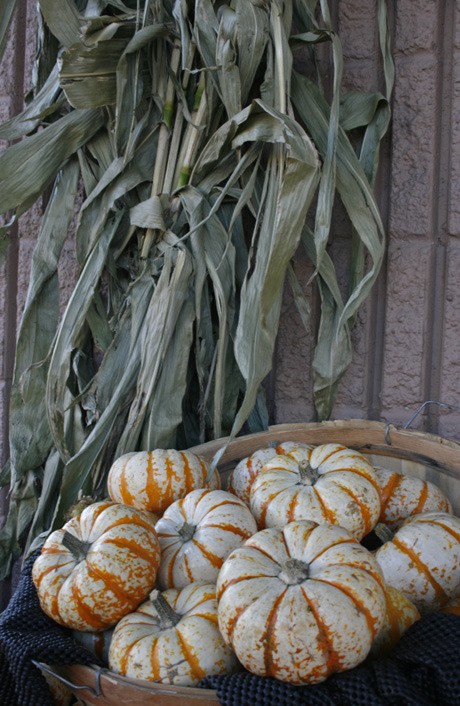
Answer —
423 559
301 632
62 695
142 648
240 480
452 606
116 575
402 496
152 480
345 493
222 522
399 616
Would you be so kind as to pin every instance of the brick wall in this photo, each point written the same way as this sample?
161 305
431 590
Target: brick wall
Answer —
407 335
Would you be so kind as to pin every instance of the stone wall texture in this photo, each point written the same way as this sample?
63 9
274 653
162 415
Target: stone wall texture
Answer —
406 337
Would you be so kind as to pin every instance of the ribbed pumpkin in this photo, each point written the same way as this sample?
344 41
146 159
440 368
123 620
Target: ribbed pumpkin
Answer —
97 643
61 693
300 602
400 614
333 485
173 639
452 606
240 480
152 480
197 533
98 567
423 559
402 496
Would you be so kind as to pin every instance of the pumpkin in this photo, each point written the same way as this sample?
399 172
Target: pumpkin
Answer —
400 614
61 693
423 559
452 606
197 533
173 638
240 480
98 567
402 496
97 643
152 480
300 602
333 485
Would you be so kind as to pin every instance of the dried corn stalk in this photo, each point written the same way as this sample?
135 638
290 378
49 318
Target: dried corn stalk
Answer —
199 150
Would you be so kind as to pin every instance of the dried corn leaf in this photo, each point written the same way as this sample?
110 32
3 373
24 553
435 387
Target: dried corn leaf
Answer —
171 327
48 100
29 166
7 8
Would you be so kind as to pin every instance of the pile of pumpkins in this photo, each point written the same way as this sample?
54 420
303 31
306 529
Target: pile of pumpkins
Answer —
271 574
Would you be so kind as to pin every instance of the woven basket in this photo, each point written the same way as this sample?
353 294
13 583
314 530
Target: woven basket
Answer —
416 453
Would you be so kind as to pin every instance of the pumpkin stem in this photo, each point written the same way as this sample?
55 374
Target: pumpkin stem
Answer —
294 571
168 616
186 532
383 532
76 547
308 475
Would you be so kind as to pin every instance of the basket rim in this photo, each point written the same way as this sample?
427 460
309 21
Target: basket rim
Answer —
97 681
363 435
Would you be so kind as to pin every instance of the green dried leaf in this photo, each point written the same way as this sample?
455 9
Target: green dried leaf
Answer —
30 437
27 167
69 335
291 179
88 73
47 101
7 8
63 19
359 201
170 330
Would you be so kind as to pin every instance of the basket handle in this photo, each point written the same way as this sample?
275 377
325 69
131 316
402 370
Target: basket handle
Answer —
97 691
454 407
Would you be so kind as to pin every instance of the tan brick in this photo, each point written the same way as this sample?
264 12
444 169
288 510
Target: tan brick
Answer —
361 75
68 273
293 381
8 63
406 332
456 25
413 140
454 181
416 25
358 30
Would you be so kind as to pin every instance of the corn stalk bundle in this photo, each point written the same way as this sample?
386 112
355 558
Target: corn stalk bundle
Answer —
184 151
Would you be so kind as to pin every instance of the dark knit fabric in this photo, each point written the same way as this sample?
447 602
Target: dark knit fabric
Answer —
423 669
26 634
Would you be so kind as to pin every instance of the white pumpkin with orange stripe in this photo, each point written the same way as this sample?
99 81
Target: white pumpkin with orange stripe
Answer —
240 480
400 614
329 484
197 533
98 567
152 480
423 559
452 606
300 602
403 495
172 639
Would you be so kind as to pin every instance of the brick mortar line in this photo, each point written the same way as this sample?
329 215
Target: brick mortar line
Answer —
439 213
